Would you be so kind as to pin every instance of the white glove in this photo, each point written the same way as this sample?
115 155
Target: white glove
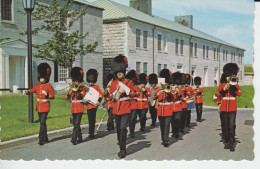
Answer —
44 92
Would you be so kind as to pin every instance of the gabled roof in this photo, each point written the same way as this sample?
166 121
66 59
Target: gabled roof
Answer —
87 3
116 11
10 41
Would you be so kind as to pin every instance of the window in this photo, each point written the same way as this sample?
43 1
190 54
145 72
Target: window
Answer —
145 68
176 46
159 68
203 51
207 52
145 39
179 67
214 54
138 67
165 66
215 76
159 42
63 74
224 55
138 39
165 43
191 49
182 42
195 50
206 76
217 53
234 57
173 70
6 10
193 69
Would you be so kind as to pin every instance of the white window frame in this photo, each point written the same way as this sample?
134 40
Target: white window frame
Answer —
63 74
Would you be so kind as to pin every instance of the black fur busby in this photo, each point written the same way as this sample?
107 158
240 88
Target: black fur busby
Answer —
132 75
230 69
119 64
77 74
223 78
165 73
177 78
107 79
142 78
153 79
187 78
197 80
92 75
44 71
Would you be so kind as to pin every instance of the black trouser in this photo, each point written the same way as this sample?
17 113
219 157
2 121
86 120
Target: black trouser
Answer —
43 127
188 117
229 120
153 112
176 122
92 120
165 122
183 118
132 120
110 121
121 124
76 123
199 111
142 117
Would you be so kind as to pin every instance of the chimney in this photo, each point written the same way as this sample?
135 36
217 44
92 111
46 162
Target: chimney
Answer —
186 20
144 6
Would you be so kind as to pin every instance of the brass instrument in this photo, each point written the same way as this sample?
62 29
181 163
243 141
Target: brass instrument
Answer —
167 87
75 86
233 80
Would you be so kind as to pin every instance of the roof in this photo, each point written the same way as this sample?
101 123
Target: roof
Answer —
9 41
116 11
87 3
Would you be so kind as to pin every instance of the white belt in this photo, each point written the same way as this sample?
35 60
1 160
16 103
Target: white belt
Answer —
190 101
125 98
177 102
77 101
142 99
135 98
228 98
168 103
42 100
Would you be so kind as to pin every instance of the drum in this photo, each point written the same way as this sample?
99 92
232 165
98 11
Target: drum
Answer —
92 96
190 104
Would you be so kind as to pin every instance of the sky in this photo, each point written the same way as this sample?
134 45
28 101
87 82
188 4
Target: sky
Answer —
229 20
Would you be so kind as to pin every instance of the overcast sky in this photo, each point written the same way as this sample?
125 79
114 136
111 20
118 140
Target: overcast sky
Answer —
229 20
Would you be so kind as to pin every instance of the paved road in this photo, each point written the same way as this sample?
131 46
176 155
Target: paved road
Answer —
201 142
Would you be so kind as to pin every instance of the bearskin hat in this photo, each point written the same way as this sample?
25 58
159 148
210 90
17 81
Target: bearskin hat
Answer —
197 80
187 78
153 79
119 64
44 71
165 73
92 75
142 78
223 78
77 74
230 69
107 79
177 78
132 75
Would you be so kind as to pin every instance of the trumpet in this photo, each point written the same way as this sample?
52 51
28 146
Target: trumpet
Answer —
75 86
167 87
233 80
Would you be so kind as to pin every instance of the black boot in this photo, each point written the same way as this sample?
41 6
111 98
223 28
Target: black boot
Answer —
232 147
165 143
122 154
226 146
41 142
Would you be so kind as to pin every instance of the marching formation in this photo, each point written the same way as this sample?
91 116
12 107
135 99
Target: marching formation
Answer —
127 96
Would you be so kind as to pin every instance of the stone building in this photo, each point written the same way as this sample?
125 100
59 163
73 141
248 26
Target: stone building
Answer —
13 46
152 43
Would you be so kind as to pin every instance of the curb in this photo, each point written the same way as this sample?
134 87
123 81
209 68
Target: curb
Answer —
213 107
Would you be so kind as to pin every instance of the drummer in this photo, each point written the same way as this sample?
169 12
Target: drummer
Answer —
190 101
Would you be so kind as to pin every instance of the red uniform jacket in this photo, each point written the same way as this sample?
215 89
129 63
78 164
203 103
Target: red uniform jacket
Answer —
90 106
43 103
189 93
76 100
198 97
123 105
164 103
143 99
177 101
108 100
184 99
134 95
228 103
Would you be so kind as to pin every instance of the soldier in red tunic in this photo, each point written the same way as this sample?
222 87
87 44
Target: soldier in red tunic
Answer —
190 101
121 89
164 110
108 104
229 91
91 78
44 92
143 99
198 93
76 93
132 75
153 81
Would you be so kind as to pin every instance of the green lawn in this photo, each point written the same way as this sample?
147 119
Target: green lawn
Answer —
14 116
248 69
246 99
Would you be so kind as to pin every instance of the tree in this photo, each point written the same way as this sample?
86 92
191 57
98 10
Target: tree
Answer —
64 45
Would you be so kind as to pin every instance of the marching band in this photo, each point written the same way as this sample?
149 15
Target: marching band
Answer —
168 97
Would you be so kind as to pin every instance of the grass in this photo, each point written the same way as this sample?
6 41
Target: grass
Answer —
248 69
14 116
246 99
14 112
